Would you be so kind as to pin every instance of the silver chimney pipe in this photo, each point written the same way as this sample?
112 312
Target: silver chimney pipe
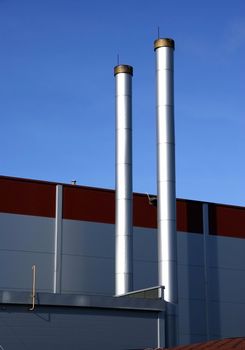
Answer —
124 226
167 238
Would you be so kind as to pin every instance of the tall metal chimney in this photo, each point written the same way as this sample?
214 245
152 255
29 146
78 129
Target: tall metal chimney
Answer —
167 238
124 226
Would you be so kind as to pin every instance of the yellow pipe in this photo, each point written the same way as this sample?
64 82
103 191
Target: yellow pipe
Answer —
33 287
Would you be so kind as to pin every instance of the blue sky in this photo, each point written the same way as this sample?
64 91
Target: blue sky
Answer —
57 91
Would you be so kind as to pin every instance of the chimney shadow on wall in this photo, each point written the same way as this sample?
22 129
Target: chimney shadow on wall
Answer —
213 264
194 274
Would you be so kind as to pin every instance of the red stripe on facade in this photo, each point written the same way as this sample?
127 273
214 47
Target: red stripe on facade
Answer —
81 203
31 197
144 214
226 221
90 204
98 205
24 197
189 216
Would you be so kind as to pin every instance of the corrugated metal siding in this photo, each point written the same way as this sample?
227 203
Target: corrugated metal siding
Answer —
224 344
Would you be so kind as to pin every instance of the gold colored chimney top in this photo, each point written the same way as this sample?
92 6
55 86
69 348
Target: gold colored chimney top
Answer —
123 68
163 43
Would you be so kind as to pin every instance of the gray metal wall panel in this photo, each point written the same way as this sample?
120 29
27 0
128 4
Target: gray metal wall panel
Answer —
25 241
88 258
191 282
192 317
77 328
87 274
226 252
190 249
16 270
88 238
227 319
145 244
227 285
27 233
145 258
88 267
191 308
191 338
145 274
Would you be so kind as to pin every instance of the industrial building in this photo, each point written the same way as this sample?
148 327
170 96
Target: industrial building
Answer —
88 268
74 299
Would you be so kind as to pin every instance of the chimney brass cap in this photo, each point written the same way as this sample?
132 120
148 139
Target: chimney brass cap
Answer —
123 68
163 43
